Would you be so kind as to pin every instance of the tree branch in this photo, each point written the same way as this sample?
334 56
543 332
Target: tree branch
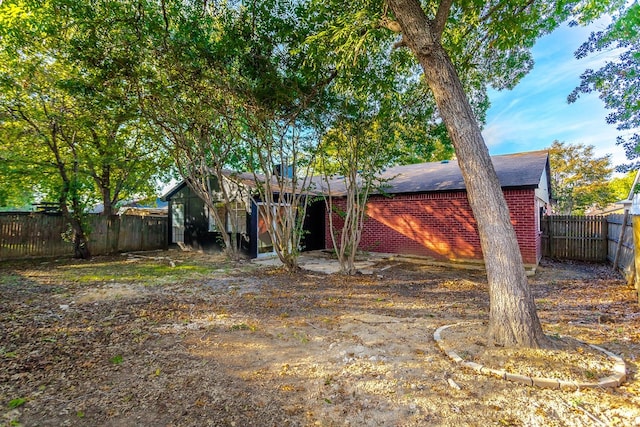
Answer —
400 43
441 18
390 25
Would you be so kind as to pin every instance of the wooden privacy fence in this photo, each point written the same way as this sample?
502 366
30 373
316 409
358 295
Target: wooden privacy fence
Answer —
621 250
40 235
574 237
589 238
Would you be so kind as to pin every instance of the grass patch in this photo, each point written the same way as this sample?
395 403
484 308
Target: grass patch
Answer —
16 403
144 270
116 360
10 279
144 273
244 327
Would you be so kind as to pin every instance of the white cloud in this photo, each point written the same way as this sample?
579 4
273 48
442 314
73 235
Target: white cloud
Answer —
536 112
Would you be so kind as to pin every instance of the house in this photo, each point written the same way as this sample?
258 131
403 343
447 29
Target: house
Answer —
157 208
425 211
632 203
191 224
612 208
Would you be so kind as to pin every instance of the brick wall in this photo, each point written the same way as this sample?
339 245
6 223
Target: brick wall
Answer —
440 225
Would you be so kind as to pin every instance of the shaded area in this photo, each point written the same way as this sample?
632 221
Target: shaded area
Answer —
137 342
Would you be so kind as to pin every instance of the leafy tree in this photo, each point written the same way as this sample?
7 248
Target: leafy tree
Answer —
86 52
378 114
68 105
513 319
229 89
283 154
356 149
39 135
618 81
279 120
384 123
579 179
462 48
621 186
190 95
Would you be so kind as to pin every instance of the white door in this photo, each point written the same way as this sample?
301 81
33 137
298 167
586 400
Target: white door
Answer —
177 223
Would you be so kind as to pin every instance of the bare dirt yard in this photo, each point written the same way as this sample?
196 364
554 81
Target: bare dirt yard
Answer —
186 339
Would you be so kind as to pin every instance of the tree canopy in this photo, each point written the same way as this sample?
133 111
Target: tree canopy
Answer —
620 186
618 81
68 105
579 179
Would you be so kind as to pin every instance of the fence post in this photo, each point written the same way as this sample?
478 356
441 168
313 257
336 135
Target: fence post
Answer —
549 236
620 239
605 239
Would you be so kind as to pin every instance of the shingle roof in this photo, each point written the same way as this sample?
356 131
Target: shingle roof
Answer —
520 170
515 171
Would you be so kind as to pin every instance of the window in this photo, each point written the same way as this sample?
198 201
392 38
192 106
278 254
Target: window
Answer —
265 243
237 215
212 228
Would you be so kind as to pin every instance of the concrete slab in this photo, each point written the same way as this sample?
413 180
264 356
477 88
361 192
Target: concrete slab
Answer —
323 262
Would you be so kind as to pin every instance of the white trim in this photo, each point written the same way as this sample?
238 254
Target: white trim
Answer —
633 199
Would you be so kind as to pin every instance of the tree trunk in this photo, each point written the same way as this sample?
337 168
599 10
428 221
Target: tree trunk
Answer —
105 190
107 206
513 320
80 242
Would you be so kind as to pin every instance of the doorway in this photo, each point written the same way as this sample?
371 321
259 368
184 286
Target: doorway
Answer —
177 223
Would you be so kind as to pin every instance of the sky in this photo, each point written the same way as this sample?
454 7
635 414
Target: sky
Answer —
535 113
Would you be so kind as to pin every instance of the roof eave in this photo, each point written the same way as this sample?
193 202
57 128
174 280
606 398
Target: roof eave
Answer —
179 186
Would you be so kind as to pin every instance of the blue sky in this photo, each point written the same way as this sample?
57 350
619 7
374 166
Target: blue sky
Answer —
536 112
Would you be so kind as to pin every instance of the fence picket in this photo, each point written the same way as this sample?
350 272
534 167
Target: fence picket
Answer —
575 237
585 238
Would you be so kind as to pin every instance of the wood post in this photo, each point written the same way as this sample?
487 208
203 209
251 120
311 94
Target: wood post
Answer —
621 238
604 230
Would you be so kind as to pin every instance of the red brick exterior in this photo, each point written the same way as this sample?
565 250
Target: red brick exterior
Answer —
441 225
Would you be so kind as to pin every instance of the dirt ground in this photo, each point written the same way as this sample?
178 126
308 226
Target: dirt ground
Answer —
185 339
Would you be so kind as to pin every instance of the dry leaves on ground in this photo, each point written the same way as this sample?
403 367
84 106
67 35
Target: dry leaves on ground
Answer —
198 341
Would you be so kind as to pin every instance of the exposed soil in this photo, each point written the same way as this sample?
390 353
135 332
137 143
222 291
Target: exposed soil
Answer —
566 359
186 339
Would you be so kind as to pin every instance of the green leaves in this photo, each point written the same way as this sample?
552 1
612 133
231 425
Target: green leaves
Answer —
116 360
69 104
618 80
579 180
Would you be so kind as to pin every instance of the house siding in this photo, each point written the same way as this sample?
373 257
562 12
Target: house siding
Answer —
196 221
440 225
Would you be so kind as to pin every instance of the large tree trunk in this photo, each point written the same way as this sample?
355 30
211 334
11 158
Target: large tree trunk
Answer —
80 241
79 238
513 319
105 191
